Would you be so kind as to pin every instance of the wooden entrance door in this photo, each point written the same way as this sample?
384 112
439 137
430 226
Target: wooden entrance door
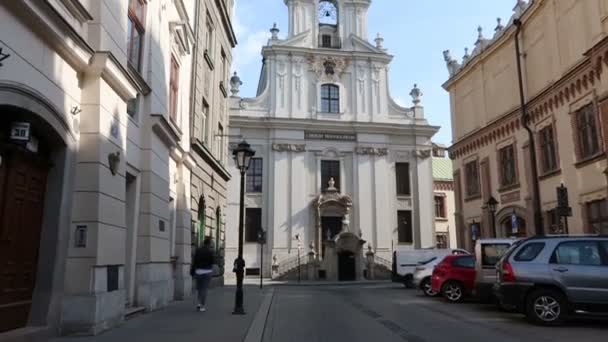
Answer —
22 191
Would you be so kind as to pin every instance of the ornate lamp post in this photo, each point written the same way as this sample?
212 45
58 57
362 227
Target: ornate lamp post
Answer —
492 203
242 157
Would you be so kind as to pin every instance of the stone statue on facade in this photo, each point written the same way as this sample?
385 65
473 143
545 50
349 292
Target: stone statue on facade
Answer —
451 63
235 84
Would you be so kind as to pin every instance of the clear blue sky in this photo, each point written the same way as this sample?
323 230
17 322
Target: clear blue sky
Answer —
415 31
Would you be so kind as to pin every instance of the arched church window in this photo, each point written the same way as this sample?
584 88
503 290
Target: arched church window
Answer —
330 98
328 13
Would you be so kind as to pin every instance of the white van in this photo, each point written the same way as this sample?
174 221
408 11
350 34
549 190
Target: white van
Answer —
487 254
405 262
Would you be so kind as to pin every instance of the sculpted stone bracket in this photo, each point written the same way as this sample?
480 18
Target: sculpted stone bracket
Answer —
372 151
298 148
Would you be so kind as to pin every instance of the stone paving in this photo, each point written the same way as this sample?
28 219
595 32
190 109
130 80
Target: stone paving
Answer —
180 322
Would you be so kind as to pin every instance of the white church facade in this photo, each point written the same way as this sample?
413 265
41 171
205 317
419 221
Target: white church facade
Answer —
340 168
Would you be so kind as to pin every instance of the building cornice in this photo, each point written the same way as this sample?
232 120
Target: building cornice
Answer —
493 45
226 22
202 151
332 126
574 85
273 50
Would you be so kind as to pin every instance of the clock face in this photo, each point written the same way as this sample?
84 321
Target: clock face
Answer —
328 13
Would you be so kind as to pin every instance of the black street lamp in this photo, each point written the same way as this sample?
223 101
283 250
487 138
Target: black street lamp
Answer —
262 242
242 157
492 203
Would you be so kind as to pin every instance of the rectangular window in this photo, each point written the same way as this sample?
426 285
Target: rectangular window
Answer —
330 169
330 98
220 140
491 253
587 130
597 213
132 106
508 170
135 32
402 172
209 37
253 224
472 179
440 207
405 230
173 89
548 150
326 41
255 176
224 67
205 123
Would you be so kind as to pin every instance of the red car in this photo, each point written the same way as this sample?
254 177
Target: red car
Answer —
454 277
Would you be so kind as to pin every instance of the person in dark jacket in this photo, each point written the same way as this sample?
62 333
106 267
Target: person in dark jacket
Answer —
202 270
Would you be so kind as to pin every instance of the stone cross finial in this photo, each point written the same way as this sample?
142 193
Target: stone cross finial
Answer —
480 34
416 95
275 32
379 42
235 84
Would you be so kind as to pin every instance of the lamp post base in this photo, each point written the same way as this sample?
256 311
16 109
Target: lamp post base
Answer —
239 311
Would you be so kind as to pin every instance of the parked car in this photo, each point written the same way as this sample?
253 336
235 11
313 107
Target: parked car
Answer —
550 277
487 254
405 262
424 272
454 277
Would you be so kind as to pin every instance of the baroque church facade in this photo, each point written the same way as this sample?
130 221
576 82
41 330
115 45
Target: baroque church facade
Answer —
340 169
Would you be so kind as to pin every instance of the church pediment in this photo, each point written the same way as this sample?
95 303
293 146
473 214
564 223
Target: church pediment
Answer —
364 46
300 40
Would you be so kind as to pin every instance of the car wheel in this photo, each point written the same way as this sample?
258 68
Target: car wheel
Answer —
453 291
546 307
427 288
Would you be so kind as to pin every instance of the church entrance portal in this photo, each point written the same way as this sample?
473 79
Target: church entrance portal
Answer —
346 266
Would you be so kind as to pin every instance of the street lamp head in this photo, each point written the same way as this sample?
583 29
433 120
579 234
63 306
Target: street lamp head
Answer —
492 203
242 155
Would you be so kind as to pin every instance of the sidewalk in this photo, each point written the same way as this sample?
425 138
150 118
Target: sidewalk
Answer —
270 282
179 322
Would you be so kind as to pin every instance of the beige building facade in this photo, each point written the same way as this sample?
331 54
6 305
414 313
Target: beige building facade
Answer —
564 51
95 161
215 40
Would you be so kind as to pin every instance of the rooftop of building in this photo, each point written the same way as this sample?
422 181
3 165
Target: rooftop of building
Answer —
442 169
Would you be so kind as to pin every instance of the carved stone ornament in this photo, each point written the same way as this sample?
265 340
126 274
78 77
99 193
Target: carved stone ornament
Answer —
372 151
289 148
424 154
328 68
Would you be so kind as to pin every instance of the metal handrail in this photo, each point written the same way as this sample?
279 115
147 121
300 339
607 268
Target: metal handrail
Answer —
289 264
383 262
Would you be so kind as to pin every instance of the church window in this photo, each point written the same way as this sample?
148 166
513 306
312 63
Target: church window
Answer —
404 227
402 171
254 176
330 169
326 41
253 224
330 98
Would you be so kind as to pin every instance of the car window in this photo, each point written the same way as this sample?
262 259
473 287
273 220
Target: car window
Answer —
529 252
585 253
604 245
466 262
491 253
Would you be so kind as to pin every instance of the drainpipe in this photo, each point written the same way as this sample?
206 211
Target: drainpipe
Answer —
525 118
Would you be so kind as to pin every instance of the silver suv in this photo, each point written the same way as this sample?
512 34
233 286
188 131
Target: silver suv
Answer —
550 277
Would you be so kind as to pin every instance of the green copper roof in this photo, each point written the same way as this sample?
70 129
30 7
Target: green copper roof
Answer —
442 169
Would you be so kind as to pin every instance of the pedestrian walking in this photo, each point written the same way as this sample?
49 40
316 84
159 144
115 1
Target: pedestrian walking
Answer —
202 270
